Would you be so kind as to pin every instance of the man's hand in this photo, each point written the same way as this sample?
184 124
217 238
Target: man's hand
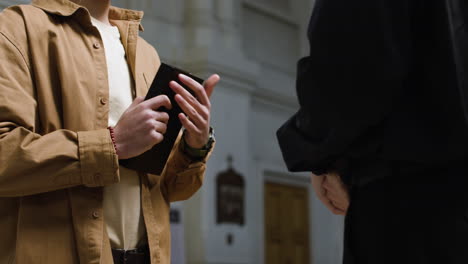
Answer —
332 192
141 126
197 109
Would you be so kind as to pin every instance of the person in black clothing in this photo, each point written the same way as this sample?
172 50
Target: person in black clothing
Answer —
384 105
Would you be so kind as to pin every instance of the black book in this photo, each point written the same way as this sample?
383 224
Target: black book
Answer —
154 160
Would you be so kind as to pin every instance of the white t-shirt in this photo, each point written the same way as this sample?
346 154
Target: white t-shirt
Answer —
122 203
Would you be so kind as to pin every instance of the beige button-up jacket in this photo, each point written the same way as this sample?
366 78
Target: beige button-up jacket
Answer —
55 151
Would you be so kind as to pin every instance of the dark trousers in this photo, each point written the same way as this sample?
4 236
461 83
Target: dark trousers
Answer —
140 255
418 215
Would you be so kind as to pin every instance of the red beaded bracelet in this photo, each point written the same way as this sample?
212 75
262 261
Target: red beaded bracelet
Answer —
111 130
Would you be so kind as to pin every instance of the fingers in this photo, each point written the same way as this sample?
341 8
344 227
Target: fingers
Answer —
160 127
332 206
333 189
329 204
336 196
336 192
320 191
157 131
211 83
162 117
337 211
157 102
335 185
317 182
188 124
338 203
198 114
153 124
147 110
154 120
197 88
156 137
189 104
335 179
321 187
194 115
137 101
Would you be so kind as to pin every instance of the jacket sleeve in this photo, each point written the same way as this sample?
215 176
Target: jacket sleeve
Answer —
360 56
183 176
31 163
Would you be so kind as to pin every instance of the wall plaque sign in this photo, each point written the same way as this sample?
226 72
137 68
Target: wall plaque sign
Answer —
230 197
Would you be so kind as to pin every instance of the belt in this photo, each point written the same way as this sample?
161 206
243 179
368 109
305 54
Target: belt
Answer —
140 255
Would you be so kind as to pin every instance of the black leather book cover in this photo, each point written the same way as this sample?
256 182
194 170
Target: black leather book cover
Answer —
154 160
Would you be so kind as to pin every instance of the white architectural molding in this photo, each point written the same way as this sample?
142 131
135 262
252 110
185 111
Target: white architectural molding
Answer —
241 73
270 11
276 100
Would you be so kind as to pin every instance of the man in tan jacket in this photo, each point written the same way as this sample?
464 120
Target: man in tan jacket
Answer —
69 71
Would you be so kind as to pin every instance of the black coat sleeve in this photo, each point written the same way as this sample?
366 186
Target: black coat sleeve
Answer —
360 56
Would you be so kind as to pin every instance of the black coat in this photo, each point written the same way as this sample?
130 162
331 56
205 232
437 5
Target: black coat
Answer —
386 80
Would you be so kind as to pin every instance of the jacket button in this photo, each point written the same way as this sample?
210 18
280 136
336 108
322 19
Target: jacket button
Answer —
95 214
96 45
103 101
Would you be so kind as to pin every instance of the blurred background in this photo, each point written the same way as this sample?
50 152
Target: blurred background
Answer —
251 210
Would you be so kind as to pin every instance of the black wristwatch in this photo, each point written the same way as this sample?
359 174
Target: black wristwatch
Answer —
198 153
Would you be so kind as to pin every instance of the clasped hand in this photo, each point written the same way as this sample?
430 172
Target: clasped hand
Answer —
332 192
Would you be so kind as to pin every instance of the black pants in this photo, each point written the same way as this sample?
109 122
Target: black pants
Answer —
416 216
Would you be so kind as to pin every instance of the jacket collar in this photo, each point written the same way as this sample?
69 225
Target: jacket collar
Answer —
68 8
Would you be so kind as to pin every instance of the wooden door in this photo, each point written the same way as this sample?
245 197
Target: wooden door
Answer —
286 224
